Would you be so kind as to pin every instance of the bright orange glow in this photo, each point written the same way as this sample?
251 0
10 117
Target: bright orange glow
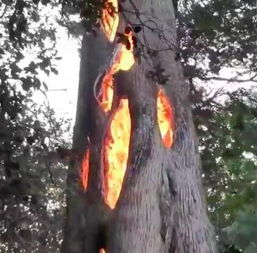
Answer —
123 59
116 144
110 19
85 170
116 152
165 118
101 251
116 141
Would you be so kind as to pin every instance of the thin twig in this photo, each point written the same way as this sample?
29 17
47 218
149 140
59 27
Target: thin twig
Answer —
233 79
4 11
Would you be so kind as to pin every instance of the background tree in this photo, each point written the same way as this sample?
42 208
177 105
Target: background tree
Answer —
229 163
31 178
217 43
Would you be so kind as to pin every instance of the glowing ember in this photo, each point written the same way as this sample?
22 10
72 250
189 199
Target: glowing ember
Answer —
85 170
116 152
123 59
116 142
110 19
165 118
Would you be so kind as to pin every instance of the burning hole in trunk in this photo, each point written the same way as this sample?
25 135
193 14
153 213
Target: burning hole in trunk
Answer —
116 139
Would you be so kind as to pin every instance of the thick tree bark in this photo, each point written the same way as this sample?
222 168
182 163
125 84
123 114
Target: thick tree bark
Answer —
86 211
161 207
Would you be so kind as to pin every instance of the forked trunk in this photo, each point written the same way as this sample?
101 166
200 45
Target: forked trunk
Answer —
160 207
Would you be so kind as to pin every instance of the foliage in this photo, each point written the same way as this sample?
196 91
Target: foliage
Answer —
31 178
24 32
228 150
242 232
32 183
215 34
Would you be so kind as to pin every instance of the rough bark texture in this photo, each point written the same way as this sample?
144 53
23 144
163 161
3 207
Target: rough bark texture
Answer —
86 212
161 206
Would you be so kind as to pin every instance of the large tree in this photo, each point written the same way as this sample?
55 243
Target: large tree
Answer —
161 206
219 33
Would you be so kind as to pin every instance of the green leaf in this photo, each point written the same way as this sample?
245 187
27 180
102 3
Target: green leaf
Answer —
54 70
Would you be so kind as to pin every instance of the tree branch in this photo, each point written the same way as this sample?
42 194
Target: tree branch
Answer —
4 11
233 79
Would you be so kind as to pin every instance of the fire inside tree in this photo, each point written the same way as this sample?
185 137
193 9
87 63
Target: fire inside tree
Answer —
140 179
116 142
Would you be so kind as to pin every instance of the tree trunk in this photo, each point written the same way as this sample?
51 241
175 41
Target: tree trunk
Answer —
161 206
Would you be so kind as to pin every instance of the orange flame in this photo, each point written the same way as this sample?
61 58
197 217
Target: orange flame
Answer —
106 95
116 143
110 19
165 118
85 170
123 59
116 152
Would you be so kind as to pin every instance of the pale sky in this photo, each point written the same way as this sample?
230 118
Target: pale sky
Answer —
64 101
63 88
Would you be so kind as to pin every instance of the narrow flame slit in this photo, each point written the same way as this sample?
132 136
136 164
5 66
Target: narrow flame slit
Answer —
115 153
165 118
116 141
85 170
115 149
